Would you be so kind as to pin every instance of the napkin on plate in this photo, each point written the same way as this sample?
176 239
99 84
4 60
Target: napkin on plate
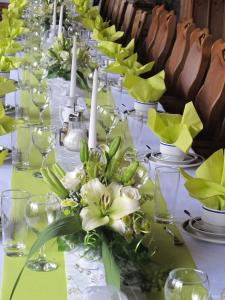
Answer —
145 90
6 86
176 129
9 63
129 65
6 123
9 46
107 34
208 185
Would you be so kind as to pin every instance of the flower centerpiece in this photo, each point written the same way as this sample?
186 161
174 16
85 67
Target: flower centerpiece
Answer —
60 60
102 204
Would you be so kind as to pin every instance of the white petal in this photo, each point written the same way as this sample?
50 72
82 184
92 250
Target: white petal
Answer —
123 206
92 191
118 226
91 218
114 190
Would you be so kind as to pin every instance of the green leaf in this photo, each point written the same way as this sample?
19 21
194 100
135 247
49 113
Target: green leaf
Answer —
112 272
65 226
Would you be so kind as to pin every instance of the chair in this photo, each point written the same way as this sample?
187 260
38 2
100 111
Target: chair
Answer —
116 9
104 9
136 23
109 10
121 14
127 22
161 47
150 37
193 74
179 52
210 101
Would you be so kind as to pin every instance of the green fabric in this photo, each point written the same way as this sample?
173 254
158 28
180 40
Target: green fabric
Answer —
52 285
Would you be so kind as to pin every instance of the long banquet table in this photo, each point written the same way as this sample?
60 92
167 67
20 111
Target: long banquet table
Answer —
206 256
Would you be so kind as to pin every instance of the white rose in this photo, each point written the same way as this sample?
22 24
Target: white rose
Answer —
71 180
131 192
64 55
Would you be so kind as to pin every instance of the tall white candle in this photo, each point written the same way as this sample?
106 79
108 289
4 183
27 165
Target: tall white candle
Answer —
60 21
73 69
92 140
54 17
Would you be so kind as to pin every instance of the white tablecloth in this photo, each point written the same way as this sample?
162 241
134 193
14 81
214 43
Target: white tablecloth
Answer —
207 257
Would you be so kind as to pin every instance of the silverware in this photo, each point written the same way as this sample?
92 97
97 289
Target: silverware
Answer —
176 240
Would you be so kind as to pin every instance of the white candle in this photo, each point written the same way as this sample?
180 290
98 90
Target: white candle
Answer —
73 69
92 140
54 18
60 21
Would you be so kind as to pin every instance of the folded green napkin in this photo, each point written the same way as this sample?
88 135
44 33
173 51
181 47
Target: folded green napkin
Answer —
8 63
176 129
208 185
6 123
115 50
145 90
10 27
9 46
107 34
129 65
6 86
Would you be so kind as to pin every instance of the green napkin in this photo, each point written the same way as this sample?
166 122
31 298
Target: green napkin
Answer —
6 123
9 46
8 63
145 90
3 155
6 86
129 65
208 185
10 27
115 50
176 129
107 34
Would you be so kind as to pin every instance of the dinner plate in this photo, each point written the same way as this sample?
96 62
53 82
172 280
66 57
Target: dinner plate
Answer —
191 160
186 228
198 226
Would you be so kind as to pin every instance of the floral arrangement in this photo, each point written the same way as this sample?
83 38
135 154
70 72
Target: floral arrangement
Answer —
60 59
102 204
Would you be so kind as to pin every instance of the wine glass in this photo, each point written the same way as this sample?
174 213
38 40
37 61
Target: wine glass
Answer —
44 139
41 211
187 283
135 124
40 96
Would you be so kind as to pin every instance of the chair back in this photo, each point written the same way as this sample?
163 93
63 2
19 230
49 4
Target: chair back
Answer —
179 52
115 10
104 9
121 14
110 10
210 101
160 49
128 19
195 67
136 23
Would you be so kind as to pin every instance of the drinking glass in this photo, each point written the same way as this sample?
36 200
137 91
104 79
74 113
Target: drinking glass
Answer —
14 227
165 194
44 139
135 124
41 211
187 283
41 96
20 143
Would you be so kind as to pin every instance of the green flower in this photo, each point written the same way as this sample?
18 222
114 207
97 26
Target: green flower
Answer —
107 205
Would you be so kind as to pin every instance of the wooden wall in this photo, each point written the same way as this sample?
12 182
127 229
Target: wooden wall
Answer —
206 13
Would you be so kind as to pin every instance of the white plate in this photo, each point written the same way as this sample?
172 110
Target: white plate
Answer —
186 228
198 226
194 161
189 158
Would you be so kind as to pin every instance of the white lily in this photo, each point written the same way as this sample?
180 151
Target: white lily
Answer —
106 205
72 180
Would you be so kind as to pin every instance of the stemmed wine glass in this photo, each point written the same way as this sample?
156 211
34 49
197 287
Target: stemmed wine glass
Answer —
44 139
41 211
41 96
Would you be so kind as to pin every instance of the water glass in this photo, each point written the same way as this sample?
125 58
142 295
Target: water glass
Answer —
165 194
20 143
187 283
14 227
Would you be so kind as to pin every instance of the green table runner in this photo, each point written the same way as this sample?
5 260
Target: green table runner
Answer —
52 285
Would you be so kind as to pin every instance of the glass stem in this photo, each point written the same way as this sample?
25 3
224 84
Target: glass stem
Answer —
41 254
44 156
41 115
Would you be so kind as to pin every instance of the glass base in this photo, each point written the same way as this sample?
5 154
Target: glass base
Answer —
37 175
42 265
14 250
164 218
